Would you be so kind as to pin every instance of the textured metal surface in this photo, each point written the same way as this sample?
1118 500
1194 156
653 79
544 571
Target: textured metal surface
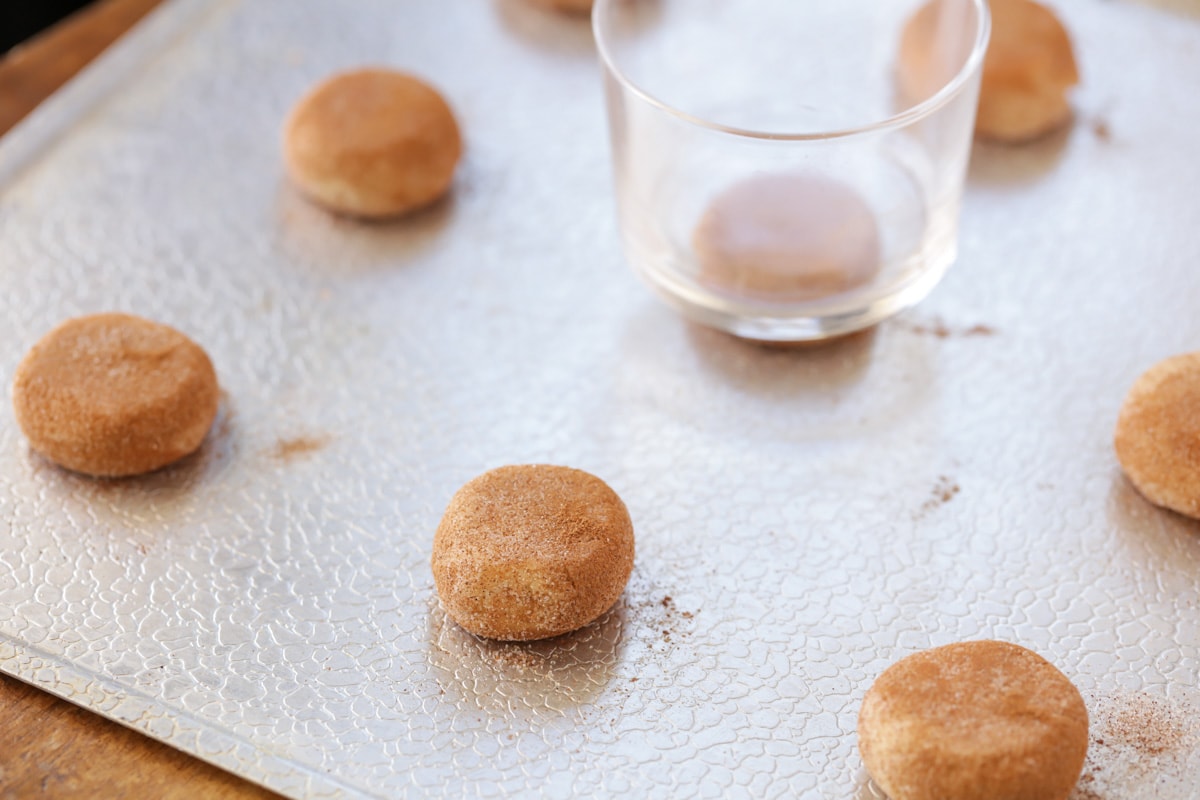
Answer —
804 518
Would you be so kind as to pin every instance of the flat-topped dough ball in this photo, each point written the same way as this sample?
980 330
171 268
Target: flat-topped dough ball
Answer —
114 395
979 720
580 7
533 551
1029 67
372 143
1158 434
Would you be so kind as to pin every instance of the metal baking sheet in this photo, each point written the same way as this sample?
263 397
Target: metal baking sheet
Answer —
804 517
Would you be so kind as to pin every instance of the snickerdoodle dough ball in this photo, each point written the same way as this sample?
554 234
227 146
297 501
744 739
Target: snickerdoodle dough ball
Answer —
372 143
1029 67
532 551
114 395
1027 71
1158 434
981 720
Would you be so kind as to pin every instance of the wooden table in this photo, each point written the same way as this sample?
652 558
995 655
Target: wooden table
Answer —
48 747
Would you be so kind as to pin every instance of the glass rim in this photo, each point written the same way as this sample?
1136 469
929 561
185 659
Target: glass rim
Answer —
909 115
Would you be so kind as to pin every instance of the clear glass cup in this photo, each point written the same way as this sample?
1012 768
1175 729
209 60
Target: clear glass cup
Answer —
791 170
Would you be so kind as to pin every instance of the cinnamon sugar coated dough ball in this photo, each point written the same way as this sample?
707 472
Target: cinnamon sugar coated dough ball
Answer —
534 551
979 720
1029 67
1158 434
114 395
372 143
787 237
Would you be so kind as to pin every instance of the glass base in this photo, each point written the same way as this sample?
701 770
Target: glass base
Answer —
812 321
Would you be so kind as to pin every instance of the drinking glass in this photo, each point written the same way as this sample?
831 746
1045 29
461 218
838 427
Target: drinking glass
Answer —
790 170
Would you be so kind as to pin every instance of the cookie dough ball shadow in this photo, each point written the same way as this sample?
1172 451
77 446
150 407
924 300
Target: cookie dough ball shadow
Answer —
787 368
335 244
551 31
998 164
568 670
1150 532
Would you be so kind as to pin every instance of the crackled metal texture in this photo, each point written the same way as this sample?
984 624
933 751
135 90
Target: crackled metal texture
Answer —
804 517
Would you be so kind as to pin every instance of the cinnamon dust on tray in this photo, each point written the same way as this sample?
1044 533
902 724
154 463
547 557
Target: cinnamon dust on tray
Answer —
1135 738
514 656
662 615
288 450
939 329
945 489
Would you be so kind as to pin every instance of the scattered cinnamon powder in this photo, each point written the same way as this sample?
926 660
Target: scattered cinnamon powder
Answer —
944 490
936 328
1084 789
1133 737
1145 724
299 446
941 330
663 615
1101 130
515 657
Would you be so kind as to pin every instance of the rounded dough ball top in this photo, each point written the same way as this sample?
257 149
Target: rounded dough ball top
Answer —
372 143
532 551
982 720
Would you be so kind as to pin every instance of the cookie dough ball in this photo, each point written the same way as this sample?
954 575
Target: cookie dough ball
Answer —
534 551
1028 69
372 143
787 237
114 395
568 6
974 721
1158 434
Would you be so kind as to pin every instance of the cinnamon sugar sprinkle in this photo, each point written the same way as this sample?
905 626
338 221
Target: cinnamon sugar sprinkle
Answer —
944 490
941 330
1135 739
514 656
297 447
662 616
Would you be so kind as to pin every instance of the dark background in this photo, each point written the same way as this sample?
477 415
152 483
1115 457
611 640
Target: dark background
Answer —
20 19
